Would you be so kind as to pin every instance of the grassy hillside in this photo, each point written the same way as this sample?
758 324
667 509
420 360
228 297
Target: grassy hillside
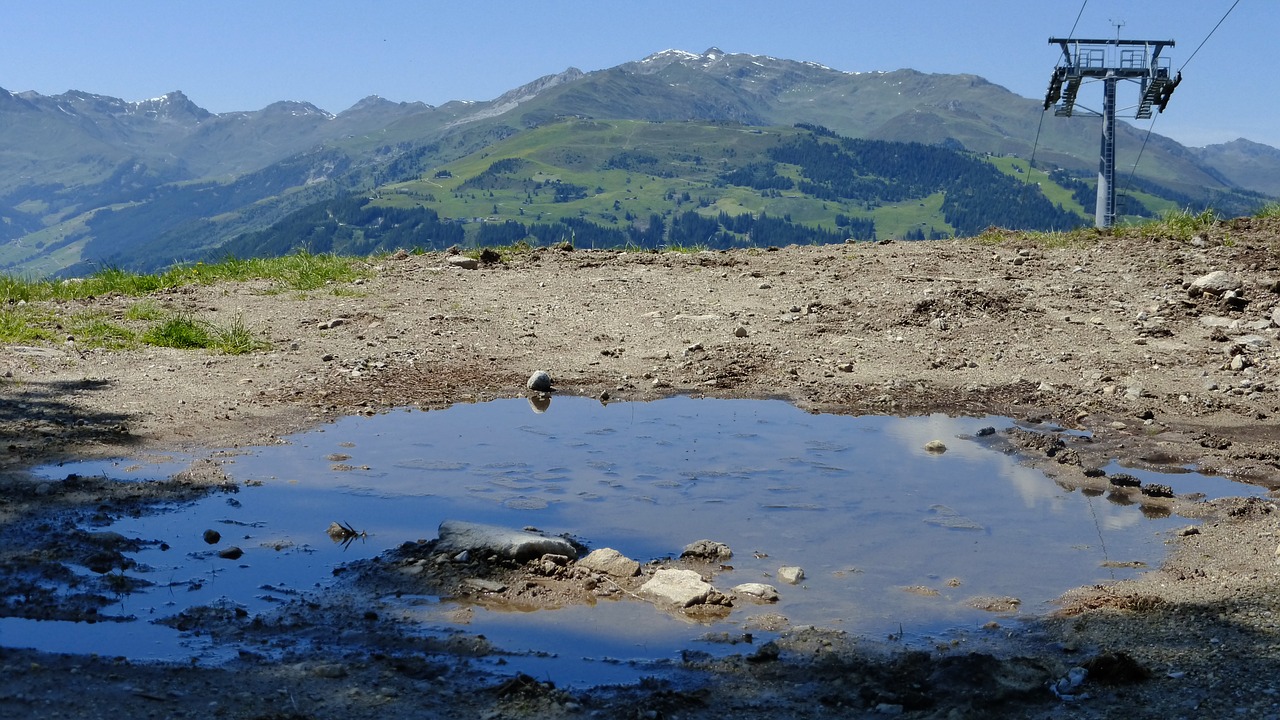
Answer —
652 184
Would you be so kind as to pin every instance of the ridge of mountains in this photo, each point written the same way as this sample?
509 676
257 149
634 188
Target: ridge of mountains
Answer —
88 180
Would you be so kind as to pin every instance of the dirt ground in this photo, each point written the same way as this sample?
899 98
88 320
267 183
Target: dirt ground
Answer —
1139 341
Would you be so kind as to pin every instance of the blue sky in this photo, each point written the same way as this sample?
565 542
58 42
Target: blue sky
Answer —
242 55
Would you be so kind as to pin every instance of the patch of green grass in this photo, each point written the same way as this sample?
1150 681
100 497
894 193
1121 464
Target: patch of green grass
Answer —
144 310
19 325
301 271
1270 210
1178 224
180 331
237 339
185 332
92 330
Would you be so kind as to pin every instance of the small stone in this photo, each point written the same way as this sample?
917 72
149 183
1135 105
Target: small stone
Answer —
331 324
1123 480
742 331
1218 282
212 536
231 553
935 446
845 367
790 574
707 550
539 381
757 591
610 562
681 588
463 262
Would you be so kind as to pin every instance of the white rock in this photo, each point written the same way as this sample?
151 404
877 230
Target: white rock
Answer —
680 588
458 535
935 446
1216 283
464 262
790 574
610 562
757 591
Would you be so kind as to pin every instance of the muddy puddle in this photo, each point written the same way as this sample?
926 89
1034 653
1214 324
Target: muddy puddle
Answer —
893 539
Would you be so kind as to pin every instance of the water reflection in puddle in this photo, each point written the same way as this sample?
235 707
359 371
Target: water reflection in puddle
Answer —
856 501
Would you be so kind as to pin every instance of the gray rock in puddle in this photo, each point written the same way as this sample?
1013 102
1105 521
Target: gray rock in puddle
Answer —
610 562
707 550
458 535
790 574
943 516
681 588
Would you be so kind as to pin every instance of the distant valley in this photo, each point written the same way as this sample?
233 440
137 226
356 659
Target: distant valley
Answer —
675 150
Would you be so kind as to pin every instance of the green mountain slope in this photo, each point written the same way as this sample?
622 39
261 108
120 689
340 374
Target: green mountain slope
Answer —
87 180
596 183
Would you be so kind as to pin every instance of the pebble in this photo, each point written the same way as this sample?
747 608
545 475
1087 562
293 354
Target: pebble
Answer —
707 550
935 446
539 381
231 553
757 591
463 262
212 536
740 332
1217 282
610 562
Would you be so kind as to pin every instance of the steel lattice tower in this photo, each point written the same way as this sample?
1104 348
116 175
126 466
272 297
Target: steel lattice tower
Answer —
1110 61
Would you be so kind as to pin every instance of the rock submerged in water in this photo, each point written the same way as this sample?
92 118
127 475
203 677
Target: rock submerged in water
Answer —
707 551
759 592
935 446
790 574
458 535
539 381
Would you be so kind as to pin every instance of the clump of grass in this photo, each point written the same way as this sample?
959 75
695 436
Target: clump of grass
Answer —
1270 210
144 310
300 271
1178 224
180 331
185 332
236 338
19 325
93 330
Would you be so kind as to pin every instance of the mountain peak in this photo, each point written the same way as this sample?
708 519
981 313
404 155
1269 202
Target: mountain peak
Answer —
173 105
374 103
297 108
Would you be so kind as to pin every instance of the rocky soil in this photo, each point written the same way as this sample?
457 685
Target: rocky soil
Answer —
1164 349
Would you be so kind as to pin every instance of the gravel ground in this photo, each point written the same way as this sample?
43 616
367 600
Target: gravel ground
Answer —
1163 349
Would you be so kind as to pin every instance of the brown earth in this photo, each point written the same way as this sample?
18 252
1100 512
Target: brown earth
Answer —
1107 335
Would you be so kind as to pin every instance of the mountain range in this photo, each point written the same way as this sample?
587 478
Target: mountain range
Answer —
88 180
